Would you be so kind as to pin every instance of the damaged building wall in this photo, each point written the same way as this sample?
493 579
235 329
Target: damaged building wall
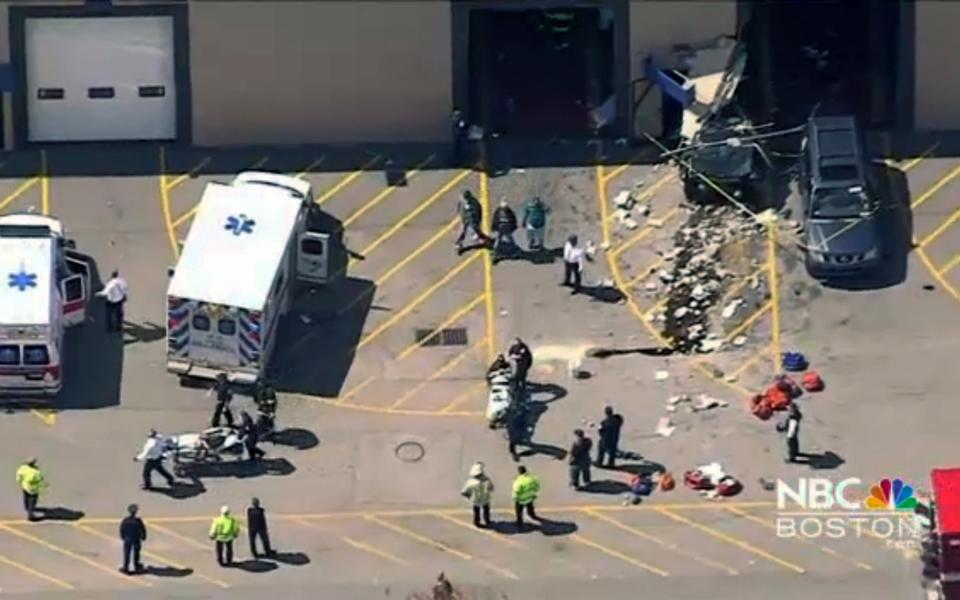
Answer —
655 28
937 80
294 72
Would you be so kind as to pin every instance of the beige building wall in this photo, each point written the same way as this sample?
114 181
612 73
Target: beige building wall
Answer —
333 71
937 79
655 27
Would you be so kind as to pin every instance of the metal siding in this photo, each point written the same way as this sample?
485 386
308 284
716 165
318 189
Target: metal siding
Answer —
937 80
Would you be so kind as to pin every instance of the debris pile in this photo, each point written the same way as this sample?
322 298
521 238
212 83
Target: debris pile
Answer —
697 279
628 203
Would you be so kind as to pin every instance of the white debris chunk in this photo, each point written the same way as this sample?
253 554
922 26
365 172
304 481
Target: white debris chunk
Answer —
665 427
731 308
662 375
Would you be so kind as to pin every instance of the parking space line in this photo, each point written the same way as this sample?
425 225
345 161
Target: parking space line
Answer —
413 535
940 229
23 187
44 184
758 355
453 318
774 294
178 536
936 274
449 366
380 197
824 549
643 233
165 204
660 303
950 264
306 170
488 266
616 554
347 179
490 534
417 301
463 397
376 551
936 187
73 555
187 215
413 214
750 321
192 172
917 160
739 285
355 390
663 543
154 556
646 273
38 574
732 540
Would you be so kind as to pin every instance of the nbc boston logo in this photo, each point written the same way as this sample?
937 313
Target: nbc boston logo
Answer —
816 507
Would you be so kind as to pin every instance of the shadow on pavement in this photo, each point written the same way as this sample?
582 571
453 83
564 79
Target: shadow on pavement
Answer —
606 486
167 571
295 559
551 528
144 333
240 469
295 437
58 513
254 565
182 490
823 461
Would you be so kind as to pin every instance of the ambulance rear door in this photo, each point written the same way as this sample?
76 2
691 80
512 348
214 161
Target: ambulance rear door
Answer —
75 289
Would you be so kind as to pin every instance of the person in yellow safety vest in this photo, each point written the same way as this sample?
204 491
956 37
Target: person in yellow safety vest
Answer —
525 490
31 481
223 531
478 490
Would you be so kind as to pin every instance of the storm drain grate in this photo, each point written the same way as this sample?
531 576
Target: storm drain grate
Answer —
456 336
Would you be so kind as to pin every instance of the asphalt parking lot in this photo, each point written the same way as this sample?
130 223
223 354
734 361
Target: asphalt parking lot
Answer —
349 514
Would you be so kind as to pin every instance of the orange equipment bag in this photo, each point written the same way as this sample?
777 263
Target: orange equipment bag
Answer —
667 482
812 382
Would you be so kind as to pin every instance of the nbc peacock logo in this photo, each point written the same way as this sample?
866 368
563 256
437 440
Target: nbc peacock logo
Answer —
889 495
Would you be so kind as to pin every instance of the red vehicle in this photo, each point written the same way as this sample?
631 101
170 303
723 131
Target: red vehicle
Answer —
941 550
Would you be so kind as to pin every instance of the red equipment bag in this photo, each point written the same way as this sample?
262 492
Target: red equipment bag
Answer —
812 382
729 486
696 481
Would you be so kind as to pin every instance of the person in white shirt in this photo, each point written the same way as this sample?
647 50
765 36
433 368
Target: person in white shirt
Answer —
115 295
573 257
152 457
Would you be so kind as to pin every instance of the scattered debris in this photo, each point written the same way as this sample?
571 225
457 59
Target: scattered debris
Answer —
665 427
662 375
731 308
705 402
740 340
712 481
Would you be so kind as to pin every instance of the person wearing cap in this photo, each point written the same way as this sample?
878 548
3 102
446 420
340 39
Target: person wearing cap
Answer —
526 488
478 489
522 359
133 533
152 456
224 396
257 527
223 531
580 459
471 217
504 225
32 482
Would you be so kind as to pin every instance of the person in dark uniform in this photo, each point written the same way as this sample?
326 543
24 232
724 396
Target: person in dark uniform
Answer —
266 399
251 437
224 396
133 533
523 360
517 430
580 459
257 527
791 428
609 437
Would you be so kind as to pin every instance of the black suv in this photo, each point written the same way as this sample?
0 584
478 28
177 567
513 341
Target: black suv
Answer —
738 169
841 233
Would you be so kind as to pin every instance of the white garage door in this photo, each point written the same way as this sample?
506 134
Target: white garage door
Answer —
100 78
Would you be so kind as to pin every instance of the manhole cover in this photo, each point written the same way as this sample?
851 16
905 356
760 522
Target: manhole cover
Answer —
410 451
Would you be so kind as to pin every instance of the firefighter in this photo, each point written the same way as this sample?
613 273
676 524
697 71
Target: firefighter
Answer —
32 483
478 490
223 530
526 487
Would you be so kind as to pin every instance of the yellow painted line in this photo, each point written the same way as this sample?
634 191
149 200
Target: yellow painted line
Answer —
189 541
646 273
936 275
750 362
721 380
154 556
923 156
643 233
73 555
347 180
488 268
375 551
449 366
662 543
260 163
187 215
413 214
453 318
950 265
417 301
400 265
385 192
616 554
824 549
44 184
38 574
936 187
746 324
733 540
382 410
356 389
165 203
306 170
660 304
939 230
463 397
48 416
739 285
23 187
774 295
702 505
617 171
490 534
188 174
413 535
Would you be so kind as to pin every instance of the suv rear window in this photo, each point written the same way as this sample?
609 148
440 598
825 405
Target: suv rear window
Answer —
839 173
36 354
314 247
9 355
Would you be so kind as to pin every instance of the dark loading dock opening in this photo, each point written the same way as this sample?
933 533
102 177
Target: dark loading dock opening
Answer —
537 73
838 56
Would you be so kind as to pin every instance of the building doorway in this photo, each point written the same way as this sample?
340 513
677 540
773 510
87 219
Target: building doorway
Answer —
539 73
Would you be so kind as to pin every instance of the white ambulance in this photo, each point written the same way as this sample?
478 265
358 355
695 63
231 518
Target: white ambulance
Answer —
45 288
249 241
